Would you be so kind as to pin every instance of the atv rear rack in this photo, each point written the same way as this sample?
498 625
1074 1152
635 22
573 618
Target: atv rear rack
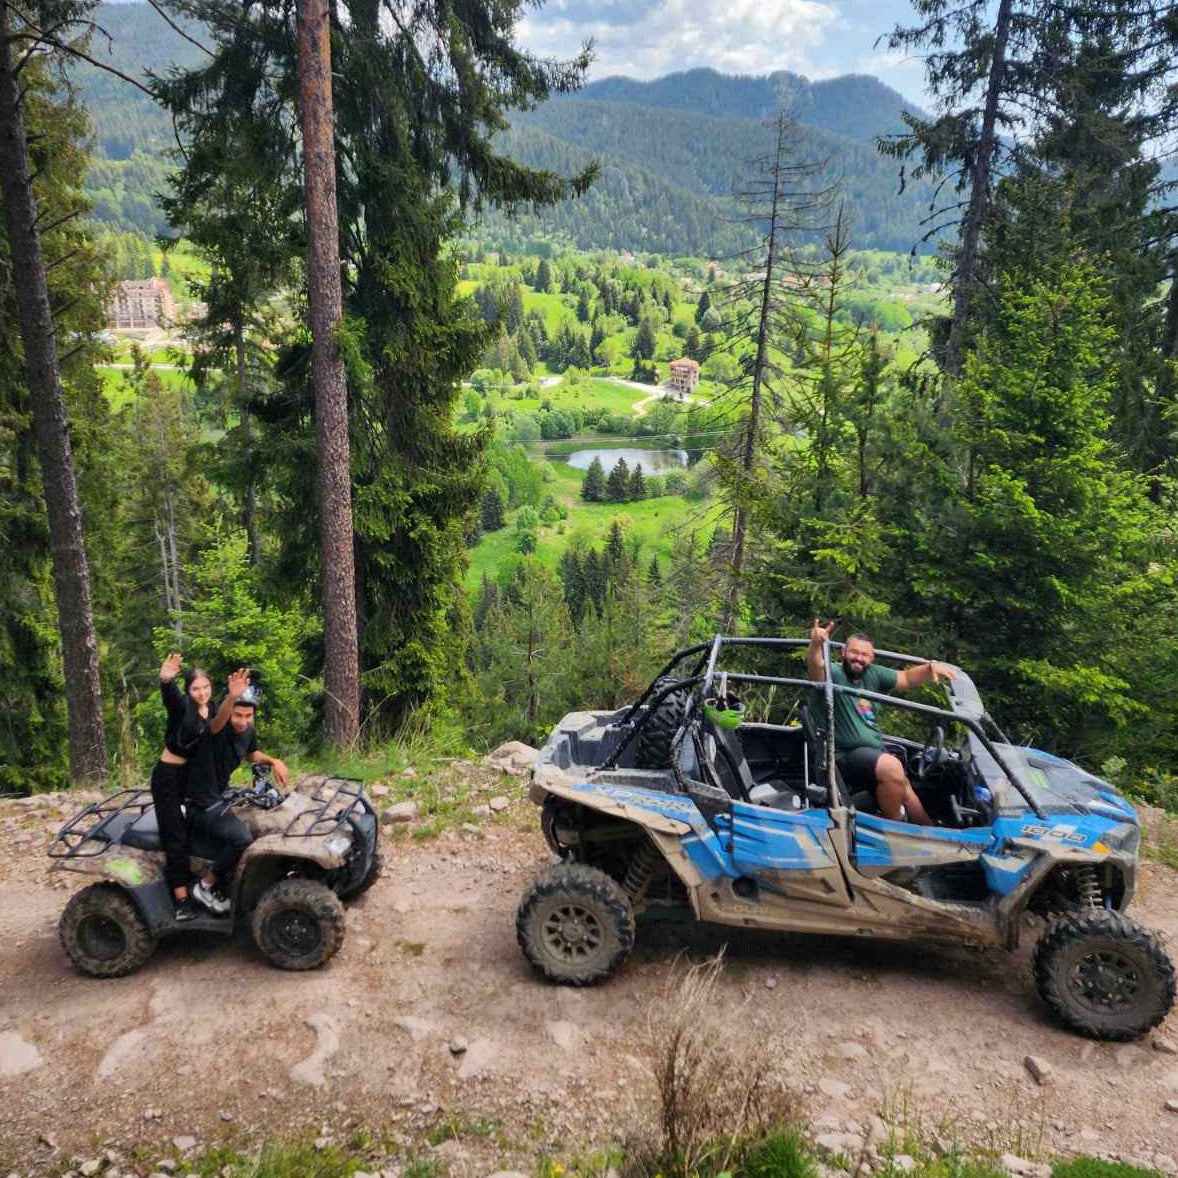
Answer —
100 824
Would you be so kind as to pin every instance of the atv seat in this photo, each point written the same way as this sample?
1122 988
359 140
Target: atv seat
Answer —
144 835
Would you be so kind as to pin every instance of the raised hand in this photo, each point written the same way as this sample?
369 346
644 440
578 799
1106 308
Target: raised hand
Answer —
819 632
238 682
171 667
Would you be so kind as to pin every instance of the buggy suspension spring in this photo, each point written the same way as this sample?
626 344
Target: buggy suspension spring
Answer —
1088 885
639 873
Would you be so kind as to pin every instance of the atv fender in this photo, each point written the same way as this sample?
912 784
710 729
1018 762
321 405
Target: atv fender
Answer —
128 867
274 856
304 850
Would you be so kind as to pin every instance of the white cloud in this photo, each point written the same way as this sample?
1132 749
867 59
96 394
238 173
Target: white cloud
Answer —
646 41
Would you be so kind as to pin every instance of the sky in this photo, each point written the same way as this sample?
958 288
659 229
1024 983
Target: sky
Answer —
650 38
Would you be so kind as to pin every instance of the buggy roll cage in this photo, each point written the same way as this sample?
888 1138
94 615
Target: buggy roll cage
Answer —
968 711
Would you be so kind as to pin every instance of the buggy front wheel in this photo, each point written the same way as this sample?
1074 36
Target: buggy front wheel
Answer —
1104 975
575 924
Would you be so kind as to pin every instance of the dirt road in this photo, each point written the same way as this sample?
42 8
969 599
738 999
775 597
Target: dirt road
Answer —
429 1018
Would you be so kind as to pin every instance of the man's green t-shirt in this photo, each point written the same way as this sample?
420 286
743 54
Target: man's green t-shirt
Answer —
855 721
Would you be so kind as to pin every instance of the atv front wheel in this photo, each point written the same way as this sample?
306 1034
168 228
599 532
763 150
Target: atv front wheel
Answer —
1104 975
298 924
103 933
575 924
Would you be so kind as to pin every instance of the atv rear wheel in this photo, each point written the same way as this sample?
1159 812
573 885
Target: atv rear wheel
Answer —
103 933
1104 975
656 735
575 924
298 924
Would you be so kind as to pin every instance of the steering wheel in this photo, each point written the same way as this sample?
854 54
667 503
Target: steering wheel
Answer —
933 753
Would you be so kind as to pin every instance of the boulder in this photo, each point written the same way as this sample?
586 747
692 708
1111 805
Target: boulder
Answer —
399 812
513 757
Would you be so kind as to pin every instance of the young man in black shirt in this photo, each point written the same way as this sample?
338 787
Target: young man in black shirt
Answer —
228 743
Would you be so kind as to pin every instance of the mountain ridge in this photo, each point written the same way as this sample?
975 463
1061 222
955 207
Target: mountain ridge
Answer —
672 149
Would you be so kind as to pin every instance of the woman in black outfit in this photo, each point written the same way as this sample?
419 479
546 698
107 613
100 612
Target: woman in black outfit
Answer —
189 715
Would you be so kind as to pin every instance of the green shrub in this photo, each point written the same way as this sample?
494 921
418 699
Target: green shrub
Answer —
783 1154
1098 1168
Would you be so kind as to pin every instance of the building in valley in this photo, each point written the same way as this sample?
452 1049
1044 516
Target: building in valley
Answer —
684 375
141 303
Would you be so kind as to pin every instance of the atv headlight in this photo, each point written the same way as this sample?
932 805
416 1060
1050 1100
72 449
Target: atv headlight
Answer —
340 845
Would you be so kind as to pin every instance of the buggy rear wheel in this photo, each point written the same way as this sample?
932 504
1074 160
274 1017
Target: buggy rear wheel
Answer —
1104 975
575 924
103 933
298 924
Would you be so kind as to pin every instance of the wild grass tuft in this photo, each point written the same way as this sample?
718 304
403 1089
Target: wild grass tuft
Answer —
716 1089
780 1154
279 1160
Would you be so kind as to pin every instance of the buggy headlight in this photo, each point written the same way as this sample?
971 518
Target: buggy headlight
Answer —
1125 837
340 845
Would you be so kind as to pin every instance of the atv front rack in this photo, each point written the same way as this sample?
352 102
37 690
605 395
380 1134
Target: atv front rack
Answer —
339 798
92 831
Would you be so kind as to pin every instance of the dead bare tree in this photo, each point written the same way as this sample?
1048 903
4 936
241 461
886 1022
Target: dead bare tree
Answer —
786 200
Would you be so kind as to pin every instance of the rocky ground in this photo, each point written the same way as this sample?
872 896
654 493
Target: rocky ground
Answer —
429 1034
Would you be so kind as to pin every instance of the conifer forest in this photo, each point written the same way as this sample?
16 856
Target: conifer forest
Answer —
409 452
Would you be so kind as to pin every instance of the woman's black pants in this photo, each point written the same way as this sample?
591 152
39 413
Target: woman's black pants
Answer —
167 791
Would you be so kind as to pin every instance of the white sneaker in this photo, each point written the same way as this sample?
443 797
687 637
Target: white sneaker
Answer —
210 898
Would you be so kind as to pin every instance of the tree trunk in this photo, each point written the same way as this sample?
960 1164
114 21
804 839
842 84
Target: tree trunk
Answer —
1164 436
979 196
341 673
250 505
71 574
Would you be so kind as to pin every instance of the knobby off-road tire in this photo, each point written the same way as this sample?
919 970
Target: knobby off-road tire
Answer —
298 924
656 734
575 924
1104 975
103 933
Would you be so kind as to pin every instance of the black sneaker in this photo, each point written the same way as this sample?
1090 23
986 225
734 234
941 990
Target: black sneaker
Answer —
184 910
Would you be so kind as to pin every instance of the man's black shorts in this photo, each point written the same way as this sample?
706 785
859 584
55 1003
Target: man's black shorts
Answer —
858 767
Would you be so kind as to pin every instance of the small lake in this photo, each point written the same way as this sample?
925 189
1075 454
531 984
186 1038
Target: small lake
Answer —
653 461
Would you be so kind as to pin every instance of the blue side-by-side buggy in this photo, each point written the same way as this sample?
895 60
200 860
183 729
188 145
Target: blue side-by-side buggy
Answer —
681 799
